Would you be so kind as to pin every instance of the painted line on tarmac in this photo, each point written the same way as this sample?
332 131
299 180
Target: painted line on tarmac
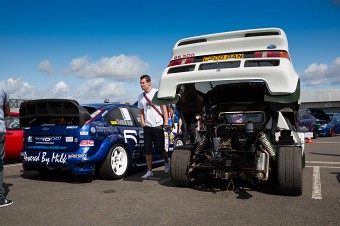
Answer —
320 162
316 193
325 142
327 167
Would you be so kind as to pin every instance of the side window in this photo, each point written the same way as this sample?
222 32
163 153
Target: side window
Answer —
12 122
119 116
136 115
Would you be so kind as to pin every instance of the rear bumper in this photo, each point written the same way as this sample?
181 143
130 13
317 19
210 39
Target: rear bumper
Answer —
78 163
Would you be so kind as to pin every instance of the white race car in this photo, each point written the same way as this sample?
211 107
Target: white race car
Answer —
250 93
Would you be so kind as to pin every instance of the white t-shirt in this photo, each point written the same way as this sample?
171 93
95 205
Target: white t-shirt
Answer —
152 118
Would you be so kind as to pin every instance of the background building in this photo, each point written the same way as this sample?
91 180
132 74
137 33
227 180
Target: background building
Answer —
327 100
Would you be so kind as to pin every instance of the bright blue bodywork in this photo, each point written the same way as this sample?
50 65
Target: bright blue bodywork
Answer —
332 127
80 148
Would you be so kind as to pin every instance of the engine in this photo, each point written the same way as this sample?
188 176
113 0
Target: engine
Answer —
235 144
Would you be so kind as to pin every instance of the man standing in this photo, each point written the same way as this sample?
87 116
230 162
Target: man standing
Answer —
4 111
154 119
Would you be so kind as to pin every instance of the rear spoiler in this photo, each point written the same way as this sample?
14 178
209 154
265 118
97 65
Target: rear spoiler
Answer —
52 111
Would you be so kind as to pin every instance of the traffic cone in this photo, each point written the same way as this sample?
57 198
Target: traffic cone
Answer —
310 141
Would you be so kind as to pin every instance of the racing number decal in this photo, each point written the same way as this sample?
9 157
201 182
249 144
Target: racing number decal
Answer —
128 135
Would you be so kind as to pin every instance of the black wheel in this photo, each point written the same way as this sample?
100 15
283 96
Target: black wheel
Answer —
290 170
116 163
315 132
180 162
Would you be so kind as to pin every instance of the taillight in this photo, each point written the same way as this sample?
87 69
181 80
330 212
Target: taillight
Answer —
181 61
268 54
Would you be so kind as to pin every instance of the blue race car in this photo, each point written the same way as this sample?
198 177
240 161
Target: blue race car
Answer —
107 138
332 127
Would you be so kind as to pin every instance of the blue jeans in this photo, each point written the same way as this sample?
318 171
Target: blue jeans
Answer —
2 156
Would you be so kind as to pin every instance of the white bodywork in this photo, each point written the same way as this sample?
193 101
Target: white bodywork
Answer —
280 80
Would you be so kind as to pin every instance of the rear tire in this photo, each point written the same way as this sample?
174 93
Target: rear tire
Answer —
290 170
180 162
116 163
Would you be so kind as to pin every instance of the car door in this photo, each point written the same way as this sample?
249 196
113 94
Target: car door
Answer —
121 119
14 135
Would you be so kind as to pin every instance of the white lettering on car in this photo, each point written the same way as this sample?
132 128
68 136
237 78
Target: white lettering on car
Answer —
128 136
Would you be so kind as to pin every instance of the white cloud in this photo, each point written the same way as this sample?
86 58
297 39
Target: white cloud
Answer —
46 67
322 75
19 89
117 67
91 91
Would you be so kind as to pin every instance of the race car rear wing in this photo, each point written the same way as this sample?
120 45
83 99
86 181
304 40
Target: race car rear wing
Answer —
52 112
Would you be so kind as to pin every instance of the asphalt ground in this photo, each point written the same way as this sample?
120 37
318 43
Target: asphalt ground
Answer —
65 199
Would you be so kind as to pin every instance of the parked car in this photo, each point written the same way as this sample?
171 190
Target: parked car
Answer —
14 136
246 74
320 115
104 137
332 127
308 123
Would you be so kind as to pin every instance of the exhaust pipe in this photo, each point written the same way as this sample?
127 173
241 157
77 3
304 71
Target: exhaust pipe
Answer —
262 167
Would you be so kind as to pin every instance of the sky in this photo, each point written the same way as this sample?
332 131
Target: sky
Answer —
91 50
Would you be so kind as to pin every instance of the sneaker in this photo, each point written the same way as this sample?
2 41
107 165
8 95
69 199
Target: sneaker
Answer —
167 167
6 203
147 175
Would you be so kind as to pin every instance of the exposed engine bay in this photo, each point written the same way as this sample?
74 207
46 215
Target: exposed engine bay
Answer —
235 144
240 134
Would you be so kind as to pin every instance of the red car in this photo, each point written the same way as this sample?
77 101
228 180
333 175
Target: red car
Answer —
14 135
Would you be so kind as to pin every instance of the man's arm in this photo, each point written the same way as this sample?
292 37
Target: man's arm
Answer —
165 115
6 109
142 117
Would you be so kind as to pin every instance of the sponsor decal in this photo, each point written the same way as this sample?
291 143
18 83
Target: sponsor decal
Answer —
86 143
42 157
69 139
72 156
84 133
47 139
46 147
71 127
30 139
93 130
107 130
